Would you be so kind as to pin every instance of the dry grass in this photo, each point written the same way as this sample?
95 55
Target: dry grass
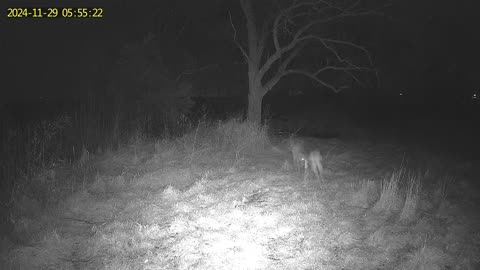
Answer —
393 198
440 192
195 142
365 195
230 136
178 207
409 210
242 137
390 195
426 258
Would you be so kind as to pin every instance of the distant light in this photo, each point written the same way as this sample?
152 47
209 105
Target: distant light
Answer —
474 96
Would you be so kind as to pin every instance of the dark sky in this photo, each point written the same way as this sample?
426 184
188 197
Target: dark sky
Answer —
424 45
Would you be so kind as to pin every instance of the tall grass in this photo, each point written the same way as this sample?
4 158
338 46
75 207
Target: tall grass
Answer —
412 198
74 128
390 196
47 134
401 192
232 136
242 136
26 149
45 157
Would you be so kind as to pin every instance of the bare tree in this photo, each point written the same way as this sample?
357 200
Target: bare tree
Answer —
278 40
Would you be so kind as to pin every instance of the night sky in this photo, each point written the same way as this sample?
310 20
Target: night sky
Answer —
427 48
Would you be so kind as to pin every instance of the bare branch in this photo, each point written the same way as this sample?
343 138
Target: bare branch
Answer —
354 78
352 6
275 56
276 43
343 15
253 38
314 76
192 71
289 59
311 76
324 42
304 16
264 33
235 38
285 13
279 51
334 68
243 6
281 69
352 45
233 26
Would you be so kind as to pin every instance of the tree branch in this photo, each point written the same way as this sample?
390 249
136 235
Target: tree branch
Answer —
281 69
354 77
304 16
311 76
192 71
324 42
235 38
264 34
279 51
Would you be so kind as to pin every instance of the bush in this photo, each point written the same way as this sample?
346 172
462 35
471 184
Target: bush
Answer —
242 136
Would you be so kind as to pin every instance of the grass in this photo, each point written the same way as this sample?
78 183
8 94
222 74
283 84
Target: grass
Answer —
390 195
366 194
412 198
242 137
175 203
393 199
426 257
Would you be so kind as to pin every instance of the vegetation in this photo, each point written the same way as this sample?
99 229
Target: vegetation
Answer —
217 197
129 169
276 40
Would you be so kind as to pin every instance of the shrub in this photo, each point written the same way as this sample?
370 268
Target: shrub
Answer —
242 136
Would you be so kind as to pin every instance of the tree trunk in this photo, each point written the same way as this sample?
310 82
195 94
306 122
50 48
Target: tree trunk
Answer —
255 97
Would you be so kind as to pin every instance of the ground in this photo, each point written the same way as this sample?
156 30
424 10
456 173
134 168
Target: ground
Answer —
151 206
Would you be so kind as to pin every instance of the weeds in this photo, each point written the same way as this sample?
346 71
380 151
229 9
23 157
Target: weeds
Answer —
365 194
234 135
194 142
411 199
242 137
441 191
390 196
427 257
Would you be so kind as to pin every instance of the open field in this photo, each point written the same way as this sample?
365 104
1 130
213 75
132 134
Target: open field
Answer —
207 201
